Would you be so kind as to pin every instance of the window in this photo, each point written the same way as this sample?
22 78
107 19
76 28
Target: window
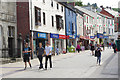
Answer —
59 22
57 6
51 3
69 27
43 1
52 21
109 30
43 18
11 31
37 16
87 19
68 12
62 8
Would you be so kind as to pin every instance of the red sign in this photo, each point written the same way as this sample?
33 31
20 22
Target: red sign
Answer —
62 37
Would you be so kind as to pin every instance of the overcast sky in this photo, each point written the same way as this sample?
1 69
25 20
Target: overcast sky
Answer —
110 3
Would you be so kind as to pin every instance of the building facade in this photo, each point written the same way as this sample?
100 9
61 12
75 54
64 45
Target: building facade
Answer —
44 24
71 25
8 29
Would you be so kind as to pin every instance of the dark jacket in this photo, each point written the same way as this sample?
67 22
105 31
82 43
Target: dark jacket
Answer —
114 46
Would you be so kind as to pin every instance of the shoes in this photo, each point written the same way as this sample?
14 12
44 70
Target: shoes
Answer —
45 69
30 66
25 68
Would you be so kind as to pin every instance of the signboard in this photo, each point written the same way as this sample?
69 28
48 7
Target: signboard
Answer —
100 35
92 37
62 37
106 37
41 35
54 36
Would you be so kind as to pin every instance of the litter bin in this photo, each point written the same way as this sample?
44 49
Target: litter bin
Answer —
72 49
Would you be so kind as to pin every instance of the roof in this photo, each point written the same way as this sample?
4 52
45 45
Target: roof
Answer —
112 12
90 13
68 6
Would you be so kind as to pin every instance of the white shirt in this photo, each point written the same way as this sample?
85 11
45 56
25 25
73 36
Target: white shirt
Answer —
48 49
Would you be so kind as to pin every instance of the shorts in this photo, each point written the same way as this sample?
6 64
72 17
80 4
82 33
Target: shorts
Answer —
26 58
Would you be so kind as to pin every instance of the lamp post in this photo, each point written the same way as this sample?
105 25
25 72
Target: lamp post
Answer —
19 45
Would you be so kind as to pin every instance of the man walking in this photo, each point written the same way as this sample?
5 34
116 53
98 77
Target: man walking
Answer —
40 54
26 55
48 51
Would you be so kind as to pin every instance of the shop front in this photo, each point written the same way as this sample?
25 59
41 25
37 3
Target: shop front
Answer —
58 41
37 38
100 37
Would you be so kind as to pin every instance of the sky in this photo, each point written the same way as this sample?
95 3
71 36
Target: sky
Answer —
110 3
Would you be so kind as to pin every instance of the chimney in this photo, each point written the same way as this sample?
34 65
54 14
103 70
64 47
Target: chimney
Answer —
72 3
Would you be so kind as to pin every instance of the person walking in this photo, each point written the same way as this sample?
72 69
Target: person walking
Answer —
57 50
92 49
110 45
40 54
98 55
26 55
78 48
114 47
48 54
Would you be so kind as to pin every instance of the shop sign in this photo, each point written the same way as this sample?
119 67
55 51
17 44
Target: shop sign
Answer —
41 35
92 37
62 36
100 35
54 36
106 37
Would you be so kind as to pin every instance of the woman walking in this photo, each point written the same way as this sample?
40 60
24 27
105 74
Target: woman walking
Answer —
114 47
78 48
98 55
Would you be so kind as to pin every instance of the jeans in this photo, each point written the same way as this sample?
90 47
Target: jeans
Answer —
46 59
98 59
40 59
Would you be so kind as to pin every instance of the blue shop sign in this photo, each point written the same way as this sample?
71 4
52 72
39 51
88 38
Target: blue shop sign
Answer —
92 37
106 37
41 35
54 36
100 35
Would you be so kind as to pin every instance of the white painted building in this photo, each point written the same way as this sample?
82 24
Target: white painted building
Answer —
47 17
89 21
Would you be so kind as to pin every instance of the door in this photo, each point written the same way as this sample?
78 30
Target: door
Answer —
10 46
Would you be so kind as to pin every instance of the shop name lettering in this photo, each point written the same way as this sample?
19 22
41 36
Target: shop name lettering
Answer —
55 36
41 35
101 36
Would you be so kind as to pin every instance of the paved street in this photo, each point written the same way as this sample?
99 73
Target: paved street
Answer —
71 65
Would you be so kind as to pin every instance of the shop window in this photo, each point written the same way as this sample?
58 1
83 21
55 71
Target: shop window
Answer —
37 16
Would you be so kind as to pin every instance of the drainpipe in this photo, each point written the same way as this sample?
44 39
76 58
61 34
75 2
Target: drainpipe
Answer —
65 28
